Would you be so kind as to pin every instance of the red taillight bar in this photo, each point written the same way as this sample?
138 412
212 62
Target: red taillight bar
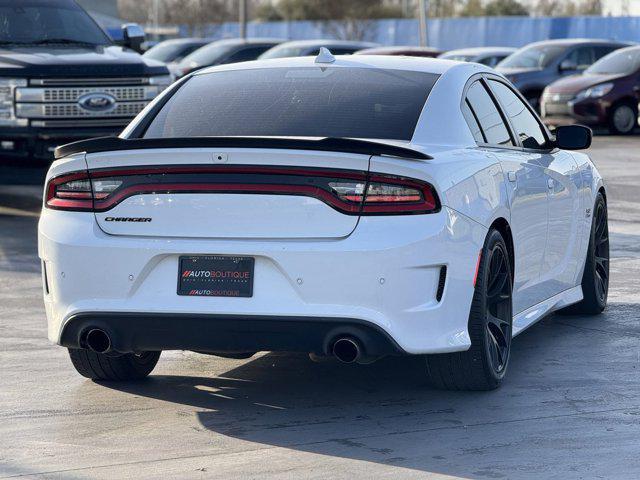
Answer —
296 184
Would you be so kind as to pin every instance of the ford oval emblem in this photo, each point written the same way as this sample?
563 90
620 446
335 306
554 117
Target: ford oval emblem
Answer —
97 102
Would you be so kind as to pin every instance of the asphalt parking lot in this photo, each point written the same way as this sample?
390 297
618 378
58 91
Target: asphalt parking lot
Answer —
570 407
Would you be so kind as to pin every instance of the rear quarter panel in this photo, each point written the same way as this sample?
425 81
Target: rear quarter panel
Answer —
467 180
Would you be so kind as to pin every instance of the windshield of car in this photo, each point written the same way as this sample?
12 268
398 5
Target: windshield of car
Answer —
622 62
299 102
47 22
207 55
281 52
536 56
171 51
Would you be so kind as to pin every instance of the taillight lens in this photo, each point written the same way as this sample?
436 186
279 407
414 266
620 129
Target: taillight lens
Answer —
103 187
77 192
410 196
70 192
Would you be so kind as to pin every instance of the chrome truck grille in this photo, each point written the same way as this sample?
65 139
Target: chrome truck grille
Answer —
71 110
59 102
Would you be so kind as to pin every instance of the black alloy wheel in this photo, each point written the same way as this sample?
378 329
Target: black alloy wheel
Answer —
595 279
484 365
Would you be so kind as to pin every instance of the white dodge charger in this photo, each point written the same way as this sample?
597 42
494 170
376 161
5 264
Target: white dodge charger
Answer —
347 207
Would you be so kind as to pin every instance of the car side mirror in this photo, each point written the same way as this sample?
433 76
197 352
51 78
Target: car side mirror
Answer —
133 36
573 137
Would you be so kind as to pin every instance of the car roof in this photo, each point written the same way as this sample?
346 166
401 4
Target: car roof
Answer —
186 40
232 42
398 48
578 41
626 49
328 43
480 50
417 64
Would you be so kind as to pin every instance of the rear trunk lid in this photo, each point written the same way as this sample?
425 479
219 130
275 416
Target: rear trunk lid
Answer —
248 193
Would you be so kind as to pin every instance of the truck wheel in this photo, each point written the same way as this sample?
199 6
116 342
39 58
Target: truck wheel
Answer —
484 365
99 366
623 119
595 279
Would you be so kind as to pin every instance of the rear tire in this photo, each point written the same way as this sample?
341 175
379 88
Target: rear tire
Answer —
484 365
595 279
99 366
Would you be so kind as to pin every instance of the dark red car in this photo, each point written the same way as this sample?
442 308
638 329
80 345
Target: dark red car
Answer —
606 94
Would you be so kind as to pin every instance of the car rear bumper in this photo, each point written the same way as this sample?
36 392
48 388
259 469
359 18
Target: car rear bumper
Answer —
385 275
139 332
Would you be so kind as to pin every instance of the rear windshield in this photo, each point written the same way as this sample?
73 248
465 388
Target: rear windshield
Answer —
305 102
535 56
622 62
171 52
208 54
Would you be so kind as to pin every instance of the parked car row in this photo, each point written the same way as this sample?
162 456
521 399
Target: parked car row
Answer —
586 80
64 78
188 55
606 94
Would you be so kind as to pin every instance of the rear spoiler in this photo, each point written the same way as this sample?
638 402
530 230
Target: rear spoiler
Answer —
329 144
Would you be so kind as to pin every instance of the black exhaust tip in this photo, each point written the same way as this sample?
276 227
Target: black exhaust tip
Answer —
347 350
98 340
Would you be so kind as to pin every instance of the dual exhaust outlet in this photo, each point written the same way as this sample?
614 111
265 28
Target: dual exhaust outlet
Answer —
345 349
349 350
97 340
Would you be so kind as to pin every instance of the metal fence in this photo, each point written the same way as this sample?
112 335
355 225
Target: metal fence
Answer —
449 33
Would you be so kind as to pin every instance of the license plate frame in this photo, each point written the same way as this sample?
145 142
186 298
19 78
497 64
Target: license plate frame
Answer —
216 276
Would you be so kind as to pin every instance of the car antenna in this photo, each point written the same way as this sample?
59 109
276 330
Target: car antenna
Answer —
325 56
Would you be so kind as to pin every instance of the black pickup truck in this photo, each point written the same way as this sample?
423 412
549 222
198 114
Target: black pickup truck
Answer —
62 78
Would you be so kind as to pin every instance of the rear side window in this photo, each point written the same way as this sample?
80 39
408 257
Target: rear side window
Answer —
472 121
602 51
311 102
582 57
524 122
487 116
491 61
248 53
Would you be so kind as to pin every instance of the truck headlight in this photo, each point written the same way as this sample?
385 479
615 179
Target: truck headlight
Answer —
7 108
160 82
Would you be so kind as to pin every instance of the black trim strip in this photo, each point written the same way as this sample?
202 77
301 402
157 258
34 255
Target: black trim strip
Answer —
330 144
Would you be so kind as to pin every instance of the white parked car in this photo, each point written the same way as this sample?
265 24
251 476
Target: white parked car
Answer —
354 206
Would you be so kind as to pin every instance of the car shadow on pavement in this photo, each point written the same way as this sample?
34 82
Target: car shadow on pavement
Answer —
561 386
